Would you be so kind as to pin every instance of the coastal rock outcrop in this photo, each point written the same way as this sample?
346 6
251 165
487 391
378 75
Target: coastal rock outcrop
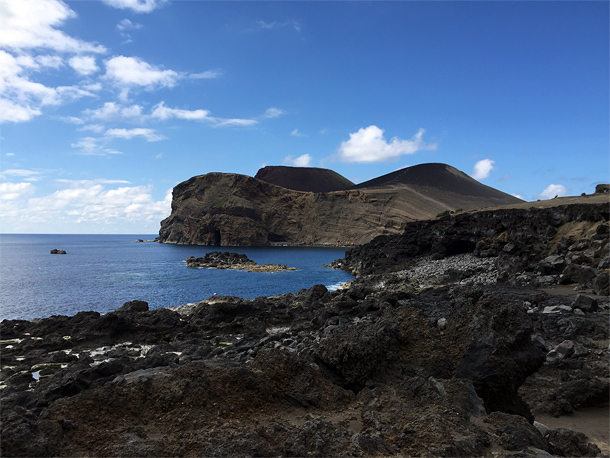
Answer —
227 260
56 251
305 206
560 244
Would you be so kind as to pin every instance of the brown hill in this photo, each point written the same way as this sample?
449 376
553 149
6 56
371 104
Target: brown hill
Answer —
237 210
308 179
442 177
425 190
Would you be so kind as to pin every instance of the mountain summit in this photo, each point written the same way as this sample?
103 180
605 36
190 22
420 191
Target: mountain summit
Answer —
311 206
308 179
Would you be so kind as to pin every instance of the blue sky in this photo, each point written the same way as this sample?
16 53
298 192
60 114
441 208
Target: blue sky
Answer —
106 105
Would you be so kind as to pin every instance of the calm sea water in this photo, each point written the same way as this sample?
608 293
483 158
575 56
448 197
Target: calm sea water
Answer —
101 272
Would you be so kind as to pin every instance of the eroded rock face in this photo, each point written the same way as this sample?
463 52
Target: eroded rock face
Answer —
560 245
221 209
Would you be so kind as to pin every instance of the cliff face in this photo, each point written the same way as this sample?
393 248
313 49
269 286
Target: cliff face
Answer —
223 209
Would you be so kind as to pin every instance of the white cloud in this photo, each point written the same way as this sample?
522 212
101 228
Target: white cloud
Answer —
28 175
97 128
14 191
518 196
292 24
273 112
139 6
301 161
482 169
20 98
83 65
296 133
160 111
111 111
221 122
10 154
93 87
50 61
149 134
553 190
12 112
90 146
87 145
71 119
77 183
85 205
207 75
129 72
26 28
126 24
369 145
33 24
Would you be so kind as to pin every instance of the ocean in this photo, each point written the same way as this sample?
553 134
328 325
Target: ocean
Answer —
101 272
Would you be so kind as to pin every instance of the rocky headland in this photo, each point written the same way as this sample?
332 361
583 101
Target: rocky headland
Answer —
311 206
455 338
227 260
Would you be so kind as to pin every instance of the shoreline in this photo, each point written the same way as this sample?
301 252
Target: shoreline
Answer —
448 342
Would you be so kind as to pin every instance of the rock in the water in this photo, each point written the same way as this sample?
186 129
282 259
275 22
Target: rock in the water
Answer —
56 251
219 260
227 260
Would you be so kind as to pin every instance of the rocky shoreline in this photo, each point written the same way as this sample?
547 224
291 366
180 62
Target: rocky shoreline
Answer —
452 340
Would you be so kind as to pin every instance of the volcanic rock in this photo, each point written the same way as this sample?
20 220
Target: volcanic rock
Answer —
602 188
439 347
308 206
218 259
227 260
307 179
56 251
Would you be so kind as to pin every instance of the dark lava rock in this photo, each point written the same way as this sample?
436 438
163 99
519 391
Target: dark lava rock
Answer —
602 188
56 251
133 306
219 259
572 443
585 303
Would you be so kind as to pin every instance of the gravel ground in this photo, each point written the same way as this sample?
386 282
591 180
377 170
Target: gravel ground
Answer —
465 269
